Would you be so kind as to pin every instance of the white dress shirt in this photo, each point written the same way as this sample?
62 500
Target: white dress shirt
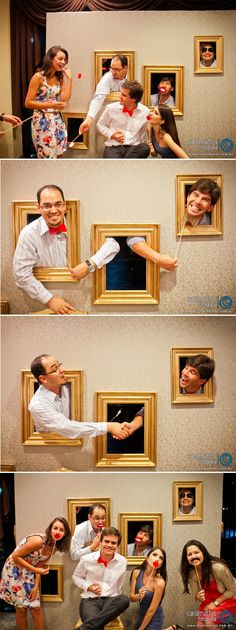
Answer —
36 247
134 127
83 536
111 578
131 550
105 86
51 413
155 100
111 248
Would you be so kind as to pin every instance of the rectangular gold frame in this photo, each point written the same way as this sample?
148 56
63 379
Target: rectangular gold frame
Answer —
125 517
198 486
146 459
59 597
177 398
98 57
218 40
178 110
84 145
151 295
73 503
216 229
29 436
51 274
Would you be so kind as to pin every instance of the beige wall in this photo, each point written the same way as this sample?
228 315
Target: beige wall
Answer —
10 145
126 193
158 38
137 495
126 354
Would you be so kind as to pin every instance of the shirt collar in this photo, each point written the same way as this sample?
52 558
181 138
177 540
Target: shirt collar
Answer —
136 108
44 229
50 394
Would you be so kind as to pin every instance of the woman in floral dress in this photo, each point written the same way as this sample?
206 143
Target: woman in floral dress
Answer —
20 581
49 91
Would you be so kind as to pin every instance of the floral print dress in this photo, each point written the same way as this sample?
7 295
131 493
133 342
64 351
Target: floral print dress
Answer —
48 128
17 582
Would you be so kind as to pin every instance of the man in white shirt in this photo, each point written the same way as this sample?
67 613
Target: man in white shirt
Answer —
50 405
101 576
110 82
42 243
87 535
124 125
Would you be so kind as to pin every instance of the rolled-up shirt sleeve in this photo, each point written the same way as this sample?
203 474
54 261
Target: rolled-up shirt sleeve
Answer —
24 261
106 253
132 240
48 420
104 87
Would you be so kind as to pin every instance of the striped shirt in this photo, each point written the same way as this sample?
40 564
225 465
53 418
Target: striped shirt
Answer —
105 86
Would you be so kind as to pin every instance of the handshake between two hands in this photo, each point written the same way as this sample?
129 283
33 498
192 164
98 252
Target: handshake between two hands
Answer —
121 431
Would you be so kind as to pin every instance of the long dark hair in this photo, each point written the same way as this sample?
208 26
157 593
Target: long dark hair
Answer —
64 543
169 122
162 571
207 569
50 54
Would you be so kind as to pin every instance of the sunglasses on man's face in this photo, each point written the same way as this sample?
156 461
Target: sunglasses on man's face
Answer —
207 48
184 495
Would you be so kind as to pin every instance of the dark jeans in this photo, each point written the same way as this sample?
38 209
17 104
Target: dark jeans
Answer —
96 612
127 151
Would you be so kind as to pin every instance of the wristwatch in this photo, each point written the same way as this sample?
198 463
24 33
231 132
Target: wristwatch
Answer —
216 603
91 265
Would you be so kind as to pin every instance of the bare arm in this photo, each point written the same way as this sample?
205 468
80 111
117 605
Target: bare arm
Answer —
30 101
175 147
144 250
135 597
66 88
157 596
33 544
135 424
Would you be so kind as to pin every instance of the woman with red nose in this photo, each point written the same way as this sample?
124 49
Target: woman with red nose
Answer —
20 581
147 587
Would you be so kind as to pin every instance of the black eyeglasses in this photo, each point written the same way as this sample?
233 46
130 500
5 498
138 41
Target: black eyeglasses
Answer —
56 369
207 48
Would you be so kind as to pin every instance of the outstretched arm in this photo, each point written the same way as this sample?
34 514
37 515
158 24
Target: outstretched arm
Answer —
144 250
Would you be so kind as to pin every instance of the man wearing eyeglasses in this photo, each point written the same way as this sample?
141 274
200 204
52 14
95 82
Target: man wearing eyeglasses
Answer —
207 55
50 405
87 535
110 82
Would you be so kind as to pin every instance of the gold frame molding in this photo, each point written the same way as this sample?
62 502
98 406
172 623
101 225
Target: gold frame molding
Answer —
216 229
198 487
5 307
146 459
51 274
218 41
178 110
32 438
98 57
150 295
125 518
83 502
81 146
59 597
177 398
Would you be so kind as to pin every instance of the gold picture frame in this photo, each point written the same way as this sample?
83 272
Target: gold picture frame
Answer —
127 523
73 120
32 438
195 488
153 74
183 184
85 502
217 45
5 307
22 210
103 56
139 450
151 293
53 581
178 356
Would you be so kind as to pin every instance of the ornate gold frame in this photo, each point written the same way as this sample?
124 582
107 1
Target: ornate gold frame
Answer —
51 274
198 487
144 460
218 40
29 436
177 398
98 57
125 518
151 295
72 504
79 145
200 230
59 597
178 110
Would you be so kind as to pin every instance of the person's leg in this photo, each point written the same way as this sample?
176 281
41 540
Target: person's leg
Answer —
114 153
111 608
137 151
21 618
38 620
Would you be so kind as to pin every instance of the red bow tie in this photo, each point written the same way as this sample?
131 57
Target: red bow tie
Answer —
59 228
128 111
101 561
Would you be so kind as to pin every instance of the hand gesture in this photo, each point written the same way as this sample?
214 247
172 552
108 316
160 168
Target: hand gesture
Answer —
142 592
200 597
59 105
95 588
67 72
42 570
80 271
118 136
33 594
168 263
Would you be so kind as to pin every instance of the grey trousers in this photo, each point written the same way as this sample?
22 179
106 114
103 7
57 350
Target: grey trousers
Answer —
96 612
127 151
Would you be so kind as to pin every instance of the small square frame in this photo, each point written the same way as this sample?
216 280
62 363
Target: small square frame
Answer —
198 491
216 228
207 396
72 504
30 437
178 71
217 40
59 596
99 56
82 143
125 518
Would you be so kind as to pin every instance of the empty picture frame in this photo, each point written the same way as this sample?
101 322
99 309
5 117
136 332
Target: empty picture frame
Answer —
26 211
130 524
29 385
73 121
152 76
187 500
183 185
78 510
139 449
208 49
102 62
131 279
178 362
51 585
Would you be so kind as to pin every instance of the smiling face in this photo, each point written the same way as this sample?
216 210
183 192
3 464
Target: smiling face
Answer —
109 546
155 117
59 61
207 54
186 500
52 207
194 555
97 519
116 69
191 380
155 556
198 203
58 530
54 376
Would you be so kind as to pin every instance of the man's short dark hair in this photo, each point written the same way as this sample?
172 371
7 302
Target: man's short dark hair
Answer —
207 186
36 367
147 529
170 79
123 60
204 364
94 506
111 531
52 187
135 90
